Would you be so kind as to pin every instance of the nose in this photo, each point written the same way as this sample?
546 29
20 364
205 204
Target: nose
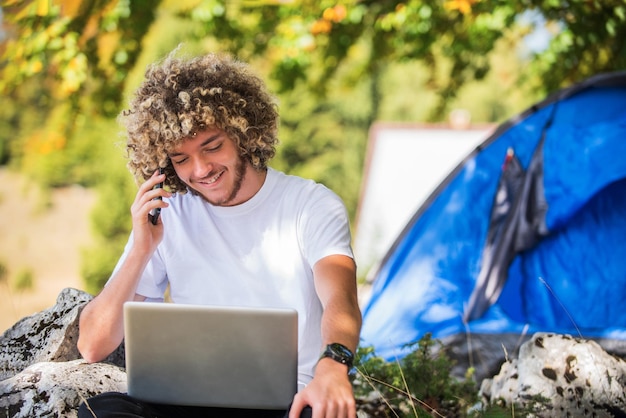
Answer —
201 167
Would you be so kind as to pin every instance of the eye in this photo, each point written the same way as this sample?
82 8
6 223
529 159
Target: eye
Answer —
179 161
213 148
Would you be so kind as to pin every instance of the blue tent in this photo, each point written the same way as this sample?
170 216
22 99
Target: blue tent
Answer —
527 234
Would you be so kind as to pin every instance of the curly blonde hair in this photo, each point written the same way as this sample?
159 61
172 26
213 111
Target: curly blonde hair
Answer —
181 97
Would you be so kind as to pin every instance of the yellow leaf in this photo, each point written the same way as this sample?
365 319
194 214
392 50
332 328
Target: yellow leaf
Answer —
36 66
43 7
69 8
464 6
321 26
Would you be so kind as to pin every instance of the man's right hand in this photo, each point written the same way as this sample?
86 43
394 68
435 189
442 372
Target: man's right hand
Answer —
146 236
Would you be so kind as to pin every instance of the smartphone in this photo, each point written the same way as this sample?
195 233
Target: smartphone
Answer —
153 216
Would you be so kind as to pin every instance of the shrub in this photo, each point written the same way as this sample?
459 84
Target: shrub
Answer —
4 272
25 279
418 385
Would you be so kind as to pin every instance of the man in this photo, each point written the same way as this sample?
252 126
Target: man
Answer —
231 231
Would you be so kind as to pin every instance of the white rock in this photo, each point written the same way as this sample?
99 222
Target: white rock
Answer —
563 376
52 389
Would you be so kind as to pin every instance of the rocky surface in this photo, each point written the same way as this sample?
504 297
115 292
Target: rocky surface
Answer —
42 374
56 389
557 375
41 371
47 336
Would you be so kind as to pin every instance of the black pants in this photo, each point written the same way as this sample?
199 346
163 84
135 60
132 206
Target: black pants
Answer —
115 404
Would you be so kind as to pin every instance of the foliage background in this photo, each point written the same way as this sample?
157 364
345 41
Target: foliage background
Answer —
68 67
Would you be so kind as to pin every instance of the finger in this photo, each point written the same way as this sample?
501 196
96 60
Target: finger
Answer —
330 411
343 410
351 410
145 202
150 191
346 407
147 188
155 179
154 194
154 204
296 407
319 411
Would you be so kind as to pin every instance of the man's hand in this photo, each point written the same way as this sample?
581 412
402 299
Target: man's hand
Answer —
329 394
146 235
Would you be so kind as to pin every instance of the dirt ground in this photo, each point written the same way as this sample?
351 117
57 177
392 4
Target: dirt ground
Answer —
45 239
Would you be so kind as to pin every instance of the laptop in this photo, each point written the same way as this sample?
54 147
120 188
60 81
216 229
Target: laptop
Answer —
211 356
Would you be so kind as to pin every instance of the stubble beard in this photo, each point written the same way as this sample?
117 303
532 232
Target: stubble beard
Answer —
240 173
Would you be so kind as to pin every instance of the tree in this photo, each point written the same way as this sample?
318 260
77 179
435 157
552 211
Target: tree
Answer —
66 64
88 46
78 48
308 40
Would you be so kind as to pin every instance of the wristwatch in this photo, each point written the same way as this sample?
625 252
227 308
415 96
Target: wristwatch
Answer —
339 353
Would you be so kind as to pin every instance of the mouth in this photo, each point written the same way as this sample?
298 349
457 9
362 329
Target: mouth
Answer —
213 179
209 180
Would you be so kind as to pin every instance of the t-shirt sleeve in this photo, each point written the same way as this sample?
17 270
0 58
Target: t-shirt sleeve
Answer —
153 281
326 226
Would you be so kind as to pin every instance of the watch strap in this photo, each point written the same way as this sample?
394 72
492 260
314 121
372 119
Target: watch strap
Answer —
340 353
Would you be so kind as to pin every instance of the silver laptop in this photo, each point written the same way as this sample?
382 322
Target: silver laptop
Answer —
211 356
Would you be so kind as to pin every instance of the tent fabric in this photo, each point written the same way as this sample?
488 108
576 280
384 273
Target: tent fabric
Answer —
570 279
517 224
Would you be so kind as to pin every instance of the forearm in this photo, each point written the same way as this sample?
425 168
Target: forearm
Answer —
101 323
335 282
341 323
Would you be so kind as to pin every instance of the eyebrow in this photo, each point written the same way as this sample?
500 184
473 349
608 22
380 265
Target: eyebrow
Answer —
203 144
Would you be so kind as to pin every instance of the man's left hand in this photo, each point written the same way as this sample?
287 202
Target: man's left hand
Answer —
329 394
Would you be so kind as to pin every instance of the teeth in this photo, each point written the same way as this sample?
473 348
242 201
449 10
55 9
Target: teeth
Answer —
213 179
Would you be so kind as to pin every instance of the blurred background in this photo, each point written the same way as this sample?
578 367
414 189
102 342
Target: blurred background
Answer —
337 67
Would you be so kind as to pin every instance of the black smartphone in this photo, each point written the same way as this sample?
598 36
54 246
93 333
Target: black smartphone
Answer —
153 216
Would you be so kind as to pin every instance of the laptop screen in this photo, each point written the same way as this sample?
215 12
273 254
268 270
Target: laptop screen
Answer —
232 357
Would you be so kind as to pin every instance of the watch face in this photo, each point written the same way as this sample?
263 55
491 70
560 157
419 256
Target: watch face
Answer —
341 350
339 353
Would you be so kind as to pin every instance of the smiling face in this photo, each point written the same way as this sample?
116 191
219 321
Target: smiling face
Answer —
210 164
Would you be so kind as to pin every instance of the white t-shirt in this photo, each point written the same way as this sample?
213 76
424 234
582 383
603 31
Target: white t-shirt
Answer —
260 253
